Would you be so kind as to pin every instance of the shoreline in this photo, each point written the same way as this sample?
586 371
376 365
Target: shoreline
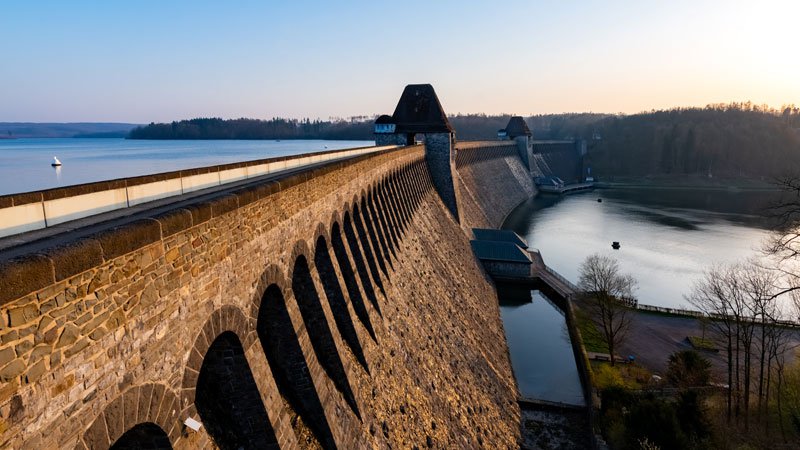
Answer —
732 184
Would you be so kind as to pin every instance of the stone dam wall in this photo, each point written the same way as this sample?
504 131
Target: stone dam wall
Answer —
493 181
340 307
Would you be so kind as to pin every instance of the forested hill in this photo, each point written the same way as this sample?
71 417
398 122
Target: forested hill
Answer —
723 140
740 140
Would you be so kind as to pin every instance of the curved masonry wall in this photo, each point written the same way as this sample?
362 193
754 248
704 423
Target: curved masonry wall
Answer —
493 182
111 338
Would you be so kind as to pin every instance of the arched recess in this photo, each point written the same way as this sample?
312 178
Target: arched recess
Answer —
336 300
289 368
319 332
143 436
358 259
152 407
350 279
227 398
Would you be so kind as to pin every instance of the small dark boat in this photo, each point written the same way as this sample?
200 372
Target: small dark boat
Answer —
615 245
56 162
599 200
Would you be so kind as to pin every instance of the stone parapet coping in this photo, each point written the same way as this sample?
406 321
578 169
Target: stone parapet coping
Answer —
29 211
31 272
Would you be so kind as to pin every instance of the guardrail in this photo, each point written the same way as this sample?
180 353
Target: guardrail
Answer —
561 278
30 211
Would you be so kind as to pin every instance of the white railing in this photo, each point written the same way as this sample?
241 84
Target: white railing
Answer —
20 213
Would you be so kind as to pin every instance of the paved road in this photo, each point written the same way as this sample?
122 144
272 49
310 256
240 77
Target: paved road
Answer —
653 337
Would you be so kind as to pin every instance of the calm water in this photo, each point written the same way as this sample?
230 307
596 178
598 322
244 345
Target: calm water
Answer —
541 354
668 236
25 163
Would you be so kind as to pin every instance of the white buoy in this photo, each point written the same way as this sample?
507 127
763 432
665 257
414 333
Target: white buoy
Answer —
56 162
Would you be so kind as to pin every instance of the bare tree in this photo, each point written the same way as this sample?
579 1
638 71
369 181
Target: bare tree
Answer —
716 295
609 294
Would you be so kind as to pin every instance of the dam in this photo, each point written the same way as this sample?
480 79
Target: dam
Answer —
328 300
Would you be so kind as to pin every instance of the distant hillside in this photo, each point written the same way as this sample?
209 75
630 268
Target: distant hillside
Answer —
64 130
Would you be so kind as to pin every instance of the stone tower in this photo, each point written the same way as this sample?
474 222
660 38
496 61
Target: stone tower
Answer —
518 131
419 116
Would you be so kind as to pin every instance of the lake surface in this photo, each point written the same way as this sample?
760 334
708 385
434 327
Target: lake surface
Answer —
25 163
541 354
667 236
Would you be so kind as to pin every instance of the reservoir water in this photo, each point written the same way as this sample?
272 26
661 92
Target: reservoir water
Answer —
25 163
667 236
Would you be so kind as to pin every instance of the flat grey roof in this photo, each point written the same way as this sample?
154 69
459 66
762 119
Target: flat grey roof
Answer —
500 251
488 234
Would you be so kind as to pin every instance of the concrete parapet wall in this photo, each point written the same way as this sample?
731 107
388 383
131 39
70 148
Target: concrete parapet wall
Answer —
35 210
340 304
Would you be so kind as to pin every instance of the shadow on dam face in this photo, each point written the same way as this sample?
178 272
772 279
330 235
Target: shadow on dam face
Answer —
290 370
335 296
144 435
361 266
228 400
350 279
319 332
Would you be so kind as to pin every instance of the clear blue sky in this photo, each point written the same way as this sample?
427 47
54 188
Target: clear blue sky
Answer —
142 61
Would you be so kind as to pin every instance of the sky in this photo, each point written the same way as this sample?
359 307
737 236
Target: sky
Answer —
144 61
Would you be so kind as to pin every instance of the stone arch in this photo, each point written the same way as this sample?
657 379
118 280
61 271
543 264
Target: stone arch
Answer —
226 318
349 275
358 259
151 403
336 300
394 201
289 367
318 328
228 401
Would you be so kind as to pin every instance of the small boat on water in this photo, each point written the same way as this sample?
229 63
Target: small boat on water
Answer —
615 245
56 162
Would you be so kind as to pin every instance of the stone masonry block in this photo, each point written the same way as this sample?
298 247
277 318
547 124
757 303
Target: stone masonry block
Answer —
127 238
24 275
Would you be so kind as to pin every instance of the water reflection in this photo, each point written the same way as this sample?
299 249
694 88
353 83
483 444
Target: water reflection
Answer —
541 354
668 236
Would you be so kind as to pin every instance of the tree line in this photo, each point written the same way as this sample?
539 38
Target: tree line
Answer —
275 128
729 140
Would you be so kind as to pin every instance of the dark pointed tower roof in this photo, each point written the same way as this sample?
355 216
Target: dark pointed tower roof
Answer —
419 111
517 127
